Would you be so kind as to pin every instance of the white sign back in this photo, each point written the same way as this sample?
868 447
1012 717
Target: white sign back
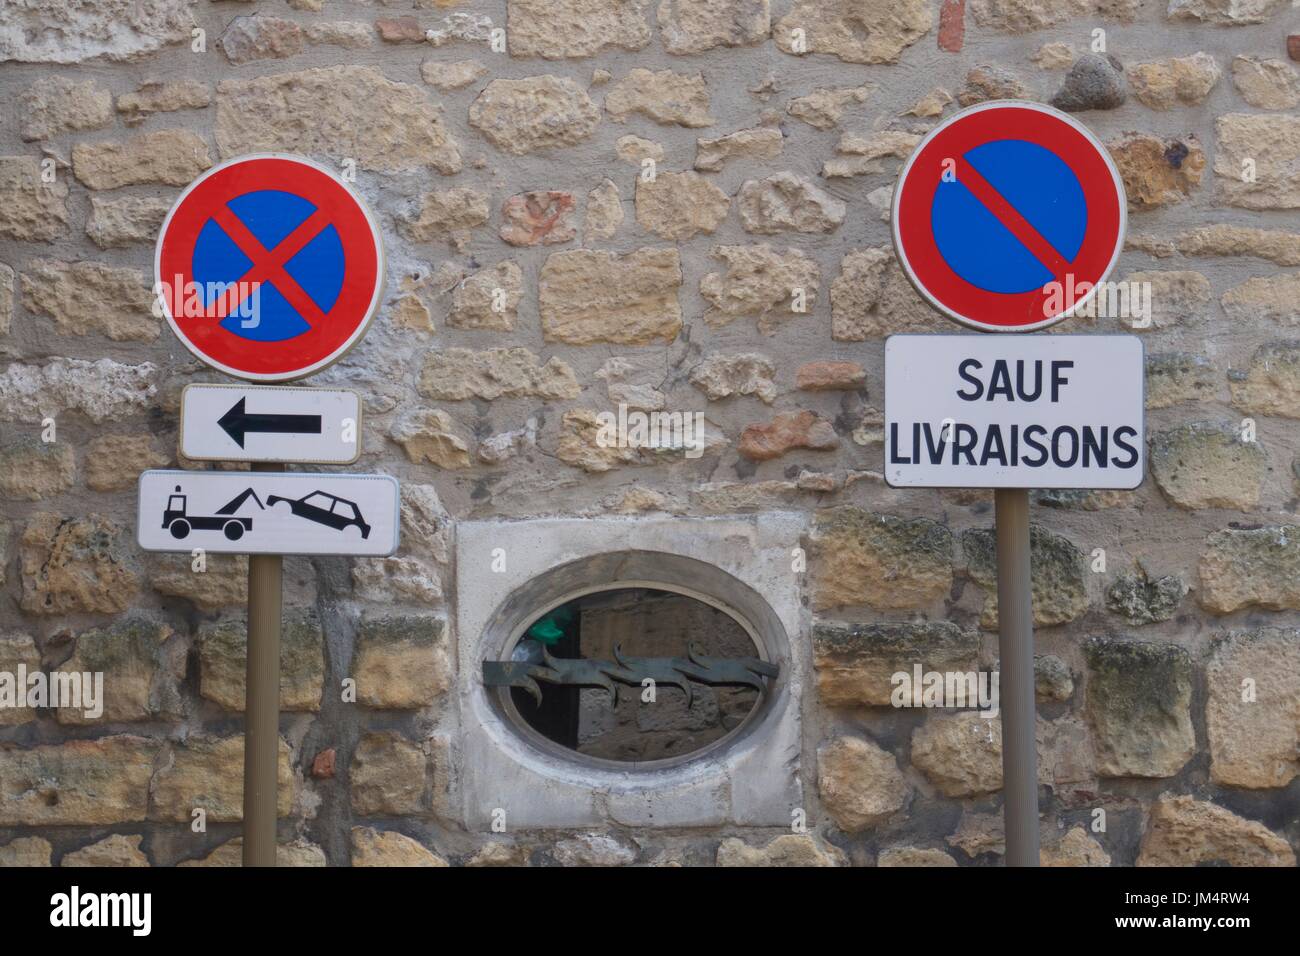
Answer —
270 423
266 512
1012 411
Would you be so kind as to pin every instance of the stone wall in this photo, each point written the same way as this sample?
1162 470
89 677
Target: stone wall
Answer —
682 206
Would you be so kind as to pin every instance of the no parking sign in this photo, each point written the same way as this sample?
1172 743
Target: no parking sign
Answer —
1008 215
269 268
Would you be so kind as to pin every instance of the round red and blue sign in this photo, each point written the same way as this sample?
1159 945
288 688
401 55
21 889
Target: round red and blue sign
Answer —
1008 216
269 267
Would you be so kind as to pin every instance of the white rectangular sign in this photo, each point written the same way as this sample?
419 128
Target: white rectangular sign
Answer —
268 512
1014 411
270 423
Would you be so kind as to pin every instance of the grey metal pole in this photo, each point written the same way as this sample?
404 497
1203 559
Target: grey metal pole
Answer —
262 703
1016 683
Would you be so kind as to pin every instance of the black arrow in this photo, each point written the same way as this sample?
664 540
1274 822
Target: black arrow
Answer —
238 423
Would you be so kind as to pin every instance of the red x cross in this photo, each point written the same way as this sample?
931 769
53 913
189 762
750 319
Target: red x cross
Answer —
268 264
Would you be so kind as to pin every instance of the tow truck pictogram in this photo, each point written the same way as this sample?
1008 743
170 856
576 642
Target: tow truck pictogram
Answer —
180 523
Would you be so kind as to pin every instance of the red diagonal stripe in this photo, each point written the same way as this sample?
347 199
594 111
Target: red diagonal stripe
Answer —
268 265
1009 216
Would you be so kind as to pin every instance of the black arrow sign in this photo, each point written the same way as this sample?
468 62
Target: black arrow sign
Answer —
237 423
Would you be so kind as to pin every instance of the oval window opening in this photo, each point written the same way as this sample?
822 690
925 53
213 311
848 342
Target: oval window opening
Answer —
634 675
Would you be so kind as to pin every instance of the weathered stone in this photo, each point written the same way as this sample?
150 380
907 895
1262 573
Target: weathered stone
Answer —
721 376
1271 144
431 435
25 851
30 208
872 298
86 298
866 31
74 564
173 157
100 390
499 853
1259 567
1052 678
114 223
57 104
1271 386
861 155
1050 56
787 432
604 212
558 29
223 661
6 298
371 847
694 26
1208 465
159 96
784 202
460 28
1157 172
400 30
582 444
260 38
458 374
343 112
774 285
931 105
1139 705
1095 82
635 150
17 650
533 113
911 856
859 783
452 76
42 31
830 376
1059 584
1184 831
855 663
79 782
1175 296
1076 848
791 849
396 580
444 212
1175 377
208 772
711 155
114 462
1142 600
222 583
1264 299
1253 712
992 82
349 34
538 218
389 776
595 849
1221 239
961 754
1026 16
116 850
299 853
129 653
1227 12
880 561
489 299
31 469
587 296
401 663
1176 81
1266 84
823 107
668 98
677 206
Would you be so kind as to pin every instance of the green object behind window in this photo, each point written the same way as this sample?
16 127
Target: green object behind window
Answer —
550 627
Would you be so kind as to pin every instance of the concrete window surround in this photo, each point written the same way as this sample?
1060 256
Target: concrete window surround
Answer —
741 564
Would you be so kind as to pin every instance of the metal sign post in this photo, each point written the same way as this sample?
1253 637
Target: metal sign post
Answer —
1008 217
268 268
262 704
